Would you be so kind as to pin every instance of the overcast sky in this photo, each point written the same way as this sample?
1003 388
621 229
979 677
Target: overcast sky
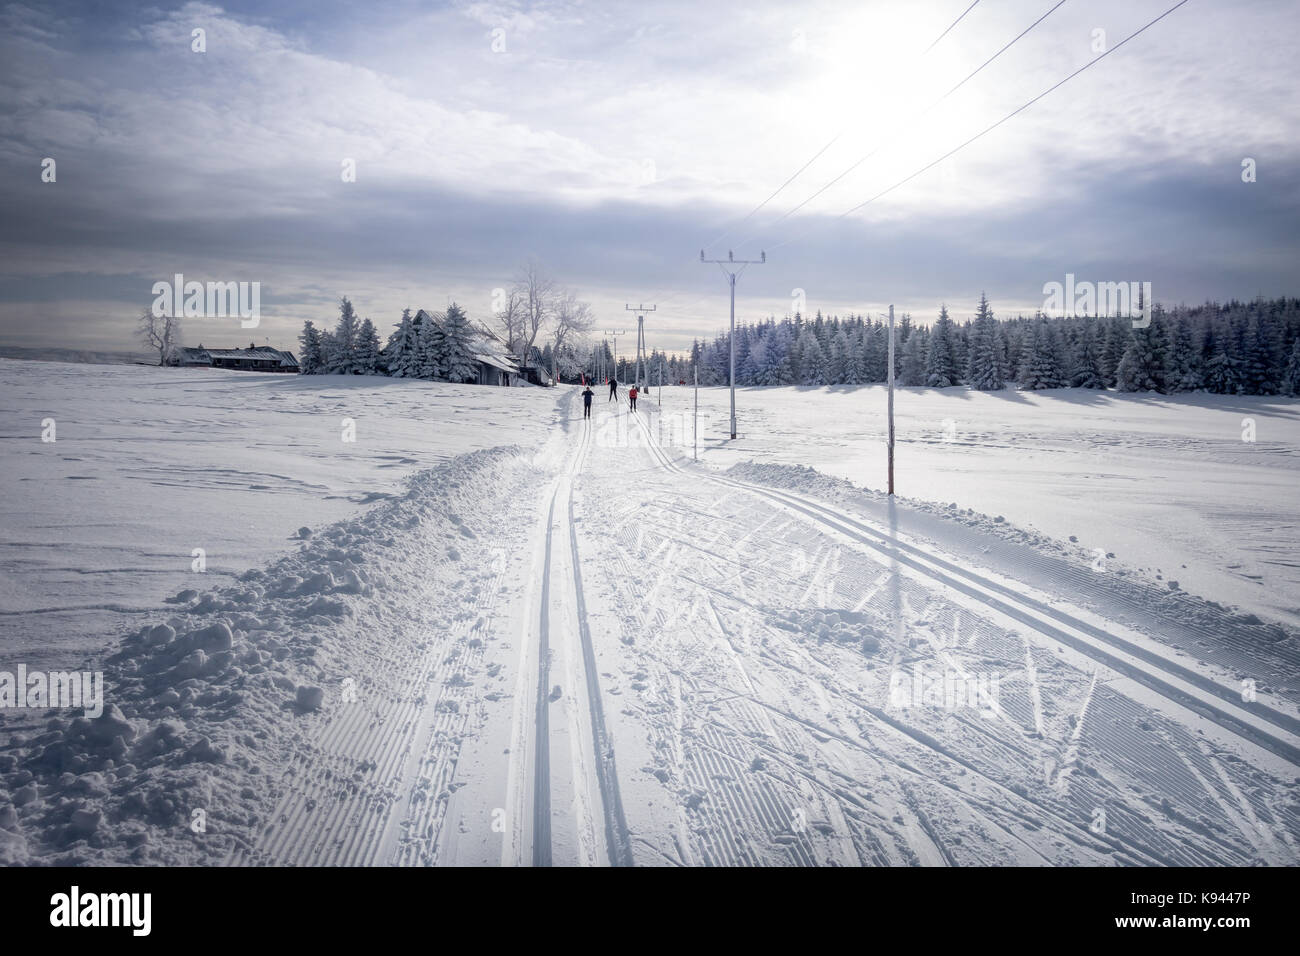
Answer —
610 142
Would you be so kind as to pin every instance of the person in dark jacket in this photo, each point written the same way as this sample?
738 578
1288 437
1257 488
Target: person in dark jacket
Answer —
613 388
587 396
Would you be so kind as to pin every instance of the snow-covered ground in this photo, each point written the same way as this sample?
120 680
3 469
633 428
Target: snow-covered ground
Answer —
149 464
518 637
1200 489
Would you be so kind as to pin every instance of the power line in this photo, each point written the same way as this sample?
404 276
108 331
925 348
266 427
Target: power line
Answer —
994 126
805 166
989 129
831 143
914 120
954 23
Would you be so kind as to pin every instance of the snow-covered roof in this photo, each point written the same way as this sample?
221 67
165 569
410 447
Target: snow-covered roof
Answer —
260 353
504 364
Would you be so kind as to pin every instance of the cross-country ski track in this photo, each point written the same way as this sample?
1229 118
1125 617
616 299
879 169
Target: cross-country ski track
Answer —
669 665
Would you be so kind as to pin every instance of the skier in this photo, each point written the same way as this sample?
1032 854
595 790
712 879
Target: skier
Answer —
613 388
587 396
631 395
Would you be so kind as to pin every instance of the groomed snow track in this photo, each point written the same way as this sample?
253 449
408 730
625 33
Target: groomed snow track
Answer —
1258 723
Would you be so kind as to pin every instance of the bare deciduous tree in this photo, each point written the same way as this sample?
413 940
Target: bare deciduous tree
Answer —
510 321
573 320
161 332
537 290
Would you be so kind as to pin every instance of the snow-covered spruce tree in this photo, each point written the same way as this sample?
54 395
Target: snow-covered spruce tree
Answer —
310 360
403 348
986 366
343 357
431 348
1001 351
1144 366
855 364
1222 374
459 364
1014 334
811 359
841 354
1085 357
767 357
1118 331
1040 364
912 367
1291 377
329 354
367 353
1258 376
940 360
1185 372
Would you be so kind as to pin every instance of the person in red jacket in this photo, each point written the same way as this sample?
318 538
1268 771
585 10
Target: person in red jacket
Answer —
631 396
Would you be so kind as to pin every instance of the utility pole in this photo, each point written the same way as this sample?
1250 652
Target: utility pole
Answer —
891 400
640 311
695 427
614 334
727 266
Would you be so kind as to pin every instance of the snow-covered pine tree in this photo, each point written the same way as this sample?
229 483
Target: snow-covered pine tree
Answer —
431 348
912 367
940 360
1118 331
811 359
310 359
1222 371
841 353
985 365
402 352
855 365
1144 365
1000 352
1040 364
1185 372
329 357
960 351
768 358
1257 372
1085 357
1291 376
343 357
367 354
459 364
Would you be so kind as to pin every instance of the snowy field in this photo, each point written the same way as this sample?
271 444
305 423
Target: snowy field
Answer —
151 463
512 636
1167 485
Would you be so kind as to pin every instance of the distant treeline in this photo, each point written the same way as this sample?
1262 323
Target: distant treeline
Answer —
1238 348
